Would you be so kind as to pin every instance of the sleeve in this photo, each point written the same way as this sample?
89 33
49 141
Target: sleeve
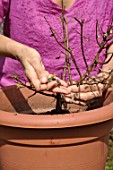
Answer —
4 5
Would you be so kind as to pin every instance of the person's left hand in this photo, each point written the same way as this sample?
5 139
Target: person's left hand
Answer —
91 89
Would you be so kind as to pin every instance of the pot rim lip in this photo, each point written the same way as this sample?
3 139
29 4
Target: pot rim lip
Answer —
84 118
91 117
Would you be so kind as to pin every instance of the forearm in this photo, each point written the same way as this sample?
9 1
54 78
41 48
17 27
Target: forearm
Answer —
109 65
9 47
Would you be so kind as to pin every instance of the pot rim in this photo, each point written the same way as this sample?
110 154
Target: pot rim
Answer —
57 121
84 118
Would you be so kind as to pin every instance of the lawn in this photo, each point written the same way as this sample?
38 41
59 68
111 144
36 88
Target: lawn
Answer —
109 164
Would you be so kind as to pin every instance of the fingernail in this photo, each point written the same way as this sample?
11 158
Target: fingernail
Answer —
43 79
67 91
38 87
70 89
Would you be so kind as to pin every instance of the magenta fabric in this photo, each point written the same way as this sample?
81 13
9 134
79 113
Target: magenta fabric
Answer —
25 23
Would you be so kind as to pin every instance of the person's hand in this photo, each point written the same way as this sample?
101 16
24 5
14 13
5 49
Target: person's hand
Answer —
36 73
91 89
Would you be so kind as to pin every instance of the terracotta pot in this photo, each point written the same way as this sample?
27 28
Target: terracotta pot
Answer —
74 141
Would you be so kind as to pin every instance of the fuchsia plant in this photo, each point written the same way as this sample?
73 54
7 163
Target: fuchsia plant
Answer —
86 78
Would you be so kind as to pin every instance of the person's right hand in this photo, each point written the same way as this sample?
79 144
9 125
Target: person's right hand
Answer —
36 73
31 61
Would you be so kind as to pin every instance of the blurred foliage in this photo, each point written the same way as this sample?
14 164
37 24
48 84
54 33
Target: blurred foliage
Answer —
109 163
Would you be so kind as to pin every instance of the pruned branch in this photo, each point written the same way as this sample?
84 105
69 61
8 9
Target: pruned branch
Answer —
102 39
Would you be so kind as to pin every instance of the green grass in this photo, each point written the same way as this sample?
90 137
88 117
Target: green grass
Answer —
109 163
109 167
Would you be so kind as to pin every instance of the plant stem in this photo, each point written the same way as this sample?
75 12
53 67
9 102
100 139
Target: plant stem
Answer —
59 103
66 44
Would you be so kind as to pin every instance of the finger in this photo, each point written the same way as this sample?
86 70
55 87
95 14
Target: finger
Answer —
32 76
39 68
87 88
83 88
41 72
54 87
61 82
85 96
78 102
52 77
104 76
51 85
61 89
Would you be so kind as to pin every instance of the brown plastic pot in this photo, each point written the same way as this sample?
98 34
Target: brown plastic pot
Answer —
74 141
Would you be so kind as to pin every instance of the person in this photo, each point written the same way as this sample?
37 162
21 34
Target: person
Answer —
29 23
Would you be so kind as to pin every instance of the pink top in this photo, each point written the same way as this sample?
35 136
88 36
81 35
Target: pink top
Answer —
25 23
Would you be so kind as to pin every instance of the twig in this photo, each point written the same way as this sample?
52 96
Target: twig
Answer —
66 43
81 23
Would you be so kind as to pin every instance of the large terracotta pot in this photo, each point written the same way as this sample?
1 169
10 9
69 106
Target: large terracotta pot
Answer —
75 141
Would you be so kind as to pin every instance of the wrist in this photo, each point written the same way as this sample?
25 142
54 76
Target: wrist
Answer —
11 48
19 51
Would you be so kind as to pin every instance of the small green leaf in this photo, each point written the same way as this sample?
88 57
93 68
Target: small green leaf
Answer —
87 39
19 84
98 36
15 76
53 33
